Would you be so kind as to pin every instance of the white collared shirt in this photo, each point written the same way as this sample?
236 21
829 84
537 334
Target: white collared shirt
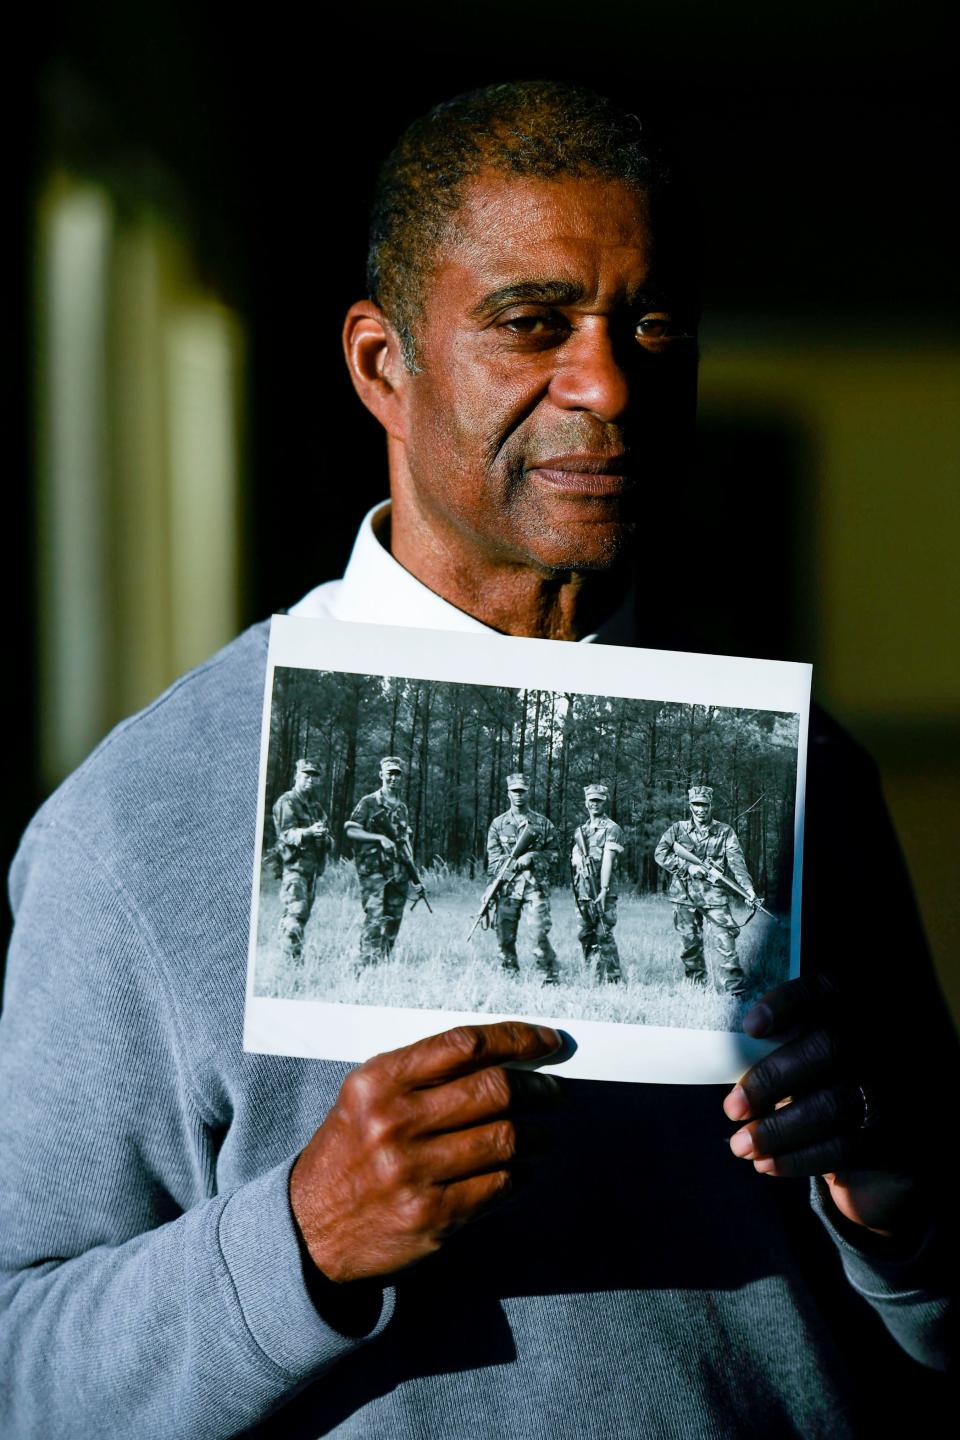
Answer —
376 590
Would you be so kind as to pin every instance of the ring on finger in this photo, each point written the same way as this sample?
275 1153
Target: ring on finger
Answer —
871 1109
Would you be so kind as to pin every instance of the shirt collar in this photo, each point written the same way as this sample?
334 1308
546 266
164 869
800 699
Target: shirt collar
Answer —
377 590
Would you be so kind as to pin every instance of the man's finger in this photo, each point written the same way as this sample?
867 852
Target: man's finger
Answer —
484 1095
800 1003
793 1069
465 1200
465 1049
808 1120
835 1154
482 1149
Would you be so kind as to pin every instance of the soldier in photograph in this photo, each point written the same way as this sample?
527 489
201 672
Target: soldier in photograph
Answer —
303 844
379 829
597 847
696 897
527 891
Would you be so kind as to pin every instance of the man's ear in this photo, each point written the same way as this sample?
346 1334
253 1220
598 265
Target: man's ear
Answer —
376 365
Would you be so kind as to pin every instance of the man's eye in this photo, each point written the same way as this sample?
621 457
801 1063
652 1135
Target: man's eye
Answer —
660 326
534 327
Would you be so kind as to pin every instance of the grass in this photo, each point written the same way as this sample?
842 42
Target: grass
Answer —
434 968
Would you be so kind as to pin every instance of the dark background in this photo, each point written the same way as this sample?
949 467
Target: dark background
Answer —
820 136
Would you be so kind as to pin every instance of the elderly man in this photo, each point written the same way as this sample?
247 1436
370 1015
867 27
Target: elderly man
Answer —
527 888
697 896
200 1242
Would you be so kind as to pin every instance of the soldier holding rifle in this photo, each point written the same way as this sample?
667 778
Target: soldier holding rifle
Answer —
698 853
379 829
597 847
303 843
527 888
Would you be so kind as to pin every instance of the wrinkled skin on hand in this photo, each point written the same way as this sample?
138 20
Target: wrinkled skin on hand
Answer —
805 1111
420 1142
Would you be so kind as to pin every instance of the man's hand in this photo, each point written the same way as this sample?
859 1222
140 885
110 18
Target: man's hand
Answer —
420 1141
814 1106
698 872
388 844
525 861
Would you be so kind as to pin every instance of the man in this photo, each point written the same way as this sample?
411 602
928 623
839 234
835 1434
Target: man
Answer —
597 847
303 843
527 888
200 1242
379 829
697 896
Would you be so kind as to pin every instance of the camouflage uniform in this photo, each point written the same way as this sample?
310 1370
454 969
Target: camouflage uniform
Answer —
383 877
597 834
696 899
303 860
528 892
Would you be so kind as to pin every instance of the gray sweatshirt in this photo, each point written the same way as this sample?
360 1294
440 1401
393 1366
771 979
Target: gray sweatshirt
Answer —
152 1281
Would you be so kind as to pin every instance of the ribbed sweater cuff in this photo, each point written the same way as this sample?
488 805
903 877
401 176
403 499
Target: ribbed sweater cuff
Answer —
876 1276
259 1245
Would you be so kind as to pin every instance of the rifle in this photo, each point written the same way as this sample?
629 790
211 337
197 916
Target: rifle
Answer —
397 832
319 830
594 914
406 855
718 877
525 841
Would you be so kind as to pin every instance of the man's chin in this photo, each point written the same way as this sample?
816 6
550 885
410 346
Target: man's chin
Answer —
596 545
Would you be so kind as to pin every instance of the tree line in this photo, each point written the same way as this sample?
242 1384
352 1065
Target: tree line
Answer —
459 742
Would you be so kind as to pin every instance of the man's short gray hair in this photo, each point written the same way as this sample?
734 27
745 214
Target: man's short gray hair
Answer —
535 128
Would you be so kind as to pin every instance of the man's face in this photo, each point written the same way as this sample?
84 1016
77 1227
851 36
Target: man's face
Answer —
518 798
595 805
306 783
701 811
390 780
557 379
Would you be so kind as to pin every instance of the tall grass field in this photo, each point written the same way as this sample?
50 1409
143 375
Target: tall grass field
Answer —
433 967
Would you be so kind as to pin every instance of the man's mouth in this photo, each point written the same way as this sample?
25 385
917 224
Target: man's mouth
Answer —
584 474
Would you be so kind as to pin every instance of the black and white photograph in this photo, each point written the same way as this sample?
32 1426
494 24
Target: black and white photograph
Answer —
435 844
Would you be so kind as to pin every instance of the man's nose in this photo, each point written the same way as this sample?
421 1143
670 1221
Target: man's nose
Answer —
590 374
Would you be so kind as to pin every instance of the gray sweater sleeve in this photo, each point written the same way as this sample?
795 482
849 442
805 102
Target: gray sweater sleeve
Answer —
134 1298
911 1293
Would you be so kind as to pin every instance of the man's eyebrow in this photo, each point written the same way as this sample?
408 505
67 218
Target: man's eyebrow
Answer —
554 292
527 292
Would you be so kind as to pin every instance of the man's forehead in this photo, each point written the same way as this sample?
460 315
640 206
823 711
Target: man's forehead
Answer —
515 233
580 204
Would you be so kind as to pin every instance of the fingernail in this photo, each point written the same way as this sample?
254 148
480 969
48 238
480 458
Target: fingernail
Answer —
551 1089
549 1037
758 1021
764 1167
736 1106
742 1144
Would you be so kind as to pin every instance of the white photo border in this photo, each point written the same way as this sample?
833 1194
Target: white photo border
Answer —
601 1050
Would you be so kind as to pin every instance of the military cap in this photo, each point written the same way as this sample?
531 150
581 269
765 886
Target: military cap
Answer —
517 781
596 791
391 762
307 767
700 792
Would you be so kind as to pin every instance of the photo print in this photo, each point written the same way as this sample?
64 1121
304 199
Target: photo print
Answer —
469 827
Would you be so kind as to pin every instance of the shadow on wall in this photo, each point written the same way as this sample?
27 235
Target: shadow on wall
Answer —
748 547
